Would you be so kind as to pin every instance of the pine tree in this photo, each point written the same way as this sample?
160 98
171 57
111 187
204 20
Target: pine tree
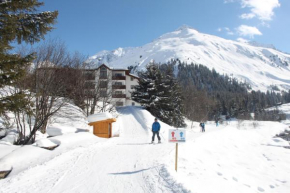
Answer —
20 22
174 105
160 95
145 92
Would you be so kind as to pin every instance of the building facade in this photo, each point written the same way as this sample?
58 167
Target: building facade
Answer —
112 85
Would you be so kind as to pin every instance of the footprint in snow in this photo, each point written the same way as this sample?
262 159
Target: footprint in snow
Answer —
261 189
247 185
271 186
235 179
282 181
220 174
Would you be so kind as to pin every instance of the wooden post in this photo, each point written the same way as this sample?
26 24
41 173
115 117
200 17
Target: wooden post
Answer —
176 155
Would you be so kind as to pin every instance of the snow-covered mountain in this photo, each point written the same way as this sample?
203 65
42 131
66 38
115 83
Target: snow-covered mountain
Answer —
260 66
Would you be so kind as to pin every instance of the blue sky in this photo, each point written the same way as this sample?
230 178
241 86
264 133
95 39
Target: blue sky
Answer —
90 26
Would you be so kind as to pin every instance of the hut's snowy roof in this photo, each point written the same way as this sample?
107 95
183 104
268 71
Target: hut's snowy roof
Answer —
99 117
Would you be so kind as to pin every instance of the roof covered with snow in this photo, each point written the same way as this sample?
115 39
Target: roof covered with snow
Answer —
99 117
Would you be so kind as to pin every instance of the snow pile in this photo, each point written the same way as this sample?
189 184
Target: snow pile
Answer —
116 128
70 118
45 143
277 142
11 136
99 117
2 132
60 130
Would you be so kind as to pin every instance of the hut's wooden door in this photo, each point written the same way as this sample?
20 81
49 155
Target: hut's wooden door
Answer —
102 129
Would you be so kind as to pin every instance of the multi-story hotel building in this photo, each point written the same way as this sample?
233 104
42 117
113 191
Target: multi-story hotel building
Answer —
114 84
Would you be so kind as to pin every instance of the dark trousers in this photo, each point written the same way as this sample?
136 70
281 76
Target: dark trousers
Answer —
154 133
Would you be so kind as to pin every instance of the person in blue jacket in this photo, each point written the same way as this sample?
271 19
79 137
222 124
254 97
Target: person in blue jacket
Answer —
155 129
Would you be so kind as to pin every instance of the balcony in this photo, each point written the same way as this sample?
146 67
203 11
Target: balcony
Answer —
119 96
118 77
104 77
119 86
103 86
89 77
89 85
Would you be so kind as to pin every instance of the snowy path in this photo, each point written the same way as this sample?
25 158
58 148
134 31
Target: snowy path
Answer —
125 164
240 157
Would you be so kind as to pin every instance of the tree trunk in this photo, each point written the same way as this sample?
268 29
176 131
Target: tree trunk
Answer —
93 106
43 127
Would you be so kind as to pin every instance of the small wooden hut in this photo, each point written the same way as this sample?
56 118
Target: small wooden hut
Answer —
103 128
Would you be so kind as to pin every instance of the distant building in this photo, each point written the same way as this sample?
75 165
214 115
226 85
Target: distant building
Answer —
115 84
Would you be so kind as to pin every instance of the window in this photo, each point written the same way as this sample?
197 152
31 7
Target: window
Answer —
103 73
133 104
118 74
119 104
89 76
132 78
89 85
103 84
118 83
103 93
89 93
118 92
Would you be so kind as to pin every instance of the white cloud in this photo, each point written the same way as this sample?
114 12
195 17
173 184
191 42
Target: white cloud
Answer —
226 29
262 9
242 40
247 16
249 31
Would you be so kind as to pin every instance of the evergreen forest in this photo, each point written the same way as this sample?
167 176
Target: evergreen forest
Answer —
208 95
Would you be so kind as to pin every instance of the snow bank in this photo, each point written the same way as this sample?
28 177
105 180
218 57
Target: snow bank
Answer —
11 136
116 128
277 142
2 132
57 130
99 117
6 148
69 119
45 143
21 158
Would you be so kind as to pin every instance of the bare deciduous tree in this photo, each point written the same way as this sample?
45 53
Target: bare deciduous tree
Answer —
53 81
99 92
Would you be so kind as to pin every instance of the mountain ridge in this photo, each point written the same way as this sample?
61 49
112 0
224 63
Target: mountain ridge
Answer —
259 66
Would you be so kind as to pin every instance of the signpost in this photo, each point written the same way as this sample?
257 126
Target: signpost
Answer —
176 136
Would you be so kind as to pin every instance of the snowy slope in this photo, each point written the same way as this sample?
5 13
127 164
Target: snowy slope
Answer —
259 66
234 157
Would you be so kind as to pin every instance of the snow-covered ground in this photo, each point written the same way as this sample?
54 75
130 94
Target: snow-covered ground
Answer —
236 156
